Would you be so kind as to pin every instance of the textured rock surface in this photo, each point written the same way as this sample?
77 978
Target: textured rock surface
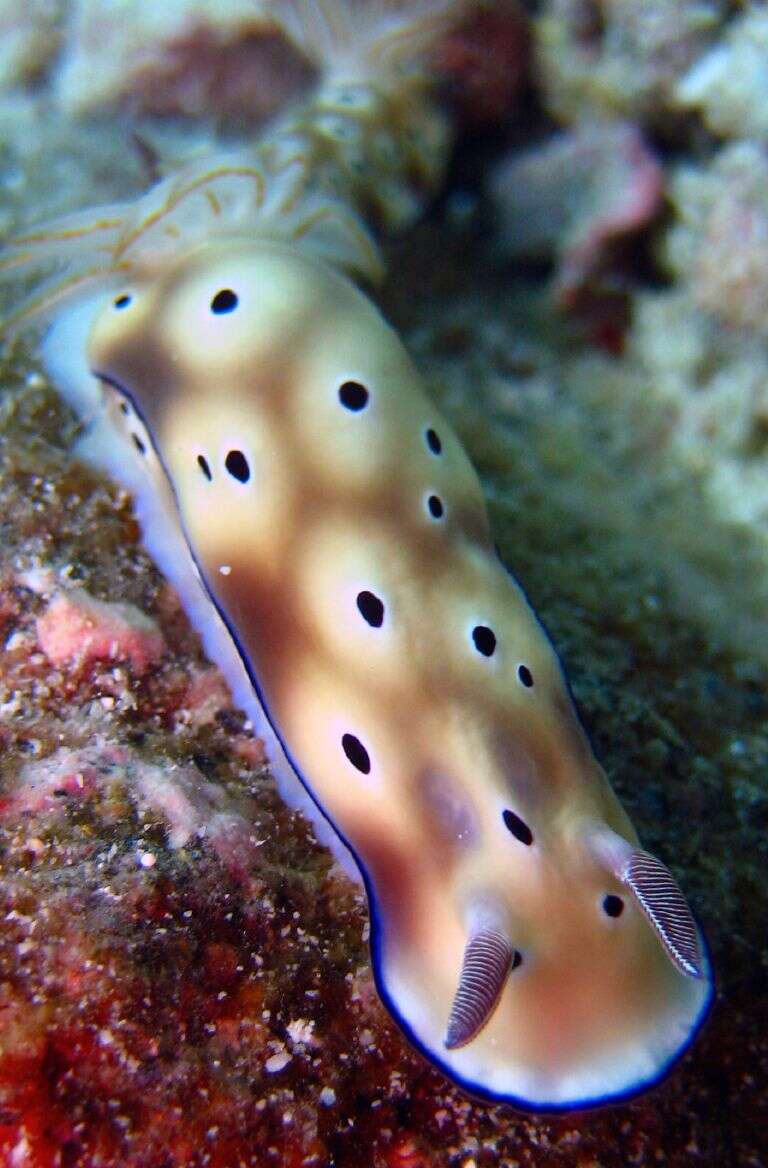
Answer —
621 57
719 245
729 83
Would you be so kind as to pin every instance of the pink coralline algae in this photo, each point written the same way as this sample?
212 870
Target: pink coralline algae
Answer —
177 797
205 695
77 629
574 197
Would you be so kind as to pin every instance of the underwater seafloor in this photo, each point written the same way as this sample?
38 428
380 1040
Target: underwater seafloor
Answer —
184 977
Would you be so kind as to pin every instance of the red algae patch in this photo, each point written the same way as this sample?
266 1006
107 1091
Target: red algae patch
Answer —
76 630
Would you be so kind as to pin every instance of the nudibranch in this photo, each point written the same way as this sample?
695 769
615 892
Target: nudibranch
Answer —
328 536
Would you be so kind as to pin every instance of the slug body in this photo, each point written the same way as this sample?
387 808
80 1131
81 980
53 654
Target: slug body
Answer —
328 536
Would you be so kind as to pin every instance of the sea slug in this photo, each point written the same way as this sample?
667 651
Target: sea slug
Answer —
328 536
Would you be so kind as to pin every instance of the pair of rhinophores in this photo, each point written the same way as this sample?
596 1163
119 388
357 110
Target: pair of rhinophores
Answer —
328 537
